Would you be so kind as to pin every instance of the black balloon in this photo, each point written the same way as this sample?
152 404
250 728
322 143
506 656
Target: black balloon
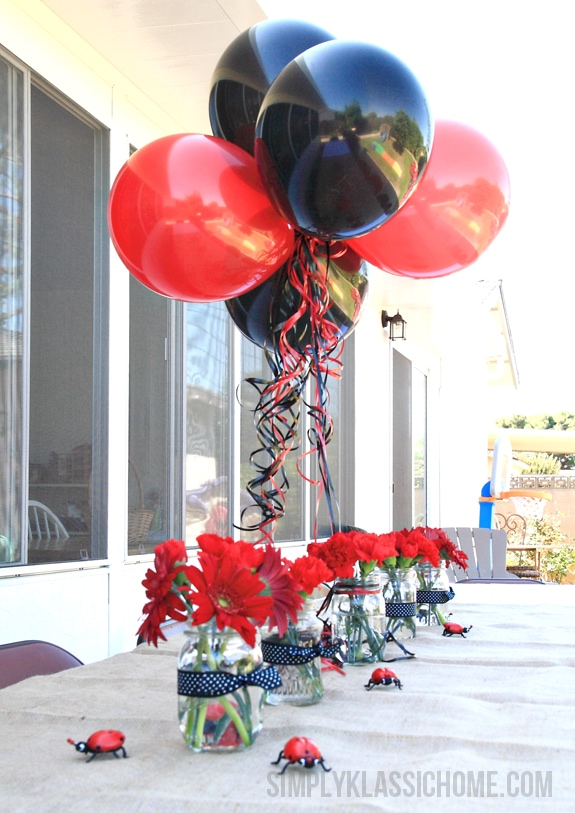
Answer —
343 136
261 313
247 68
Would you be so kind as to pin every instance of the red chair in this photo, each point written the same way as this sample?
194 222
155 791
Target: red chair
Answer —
23 659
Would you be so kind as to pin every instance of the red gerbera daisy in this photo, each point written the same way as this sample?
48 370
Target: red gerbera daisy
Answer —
229 593
286 600
166 600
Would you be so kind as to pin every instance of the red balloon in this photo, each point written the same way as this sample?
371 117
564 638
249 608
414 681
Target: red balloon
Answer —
190 219
455 213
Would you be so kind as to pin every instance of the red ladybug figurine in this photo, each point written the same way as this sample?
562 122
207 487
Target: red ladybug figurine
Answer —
383 677
301 751
449 629
102 742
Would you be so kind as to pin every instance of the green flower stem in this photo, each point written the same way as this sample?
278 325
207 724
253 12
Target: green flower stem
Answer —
197 720
357 629
308 671
236 719
439 614
199 723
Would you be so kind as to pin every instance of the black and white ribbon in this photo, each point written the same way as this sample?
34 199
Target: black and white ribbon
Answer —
215 684
400 609
435 596
292 655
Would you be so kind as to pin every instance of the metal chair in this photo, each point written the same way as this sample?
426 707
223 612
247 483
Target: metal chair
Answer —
23 659
45 529
486 549
514 525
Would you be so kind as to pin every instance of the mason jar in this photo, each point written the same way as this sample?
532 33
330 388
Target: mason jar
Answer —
218 709
358 619
297 657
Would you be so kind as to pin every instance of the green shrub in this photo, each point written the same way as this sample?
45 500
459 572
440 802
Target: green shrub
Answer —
557 563
545 531
539 462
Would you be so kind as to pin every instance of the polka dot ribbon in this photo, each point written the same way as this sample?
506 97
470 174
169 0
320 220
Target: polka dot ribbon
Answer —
435 596
400 609
291 655
215 684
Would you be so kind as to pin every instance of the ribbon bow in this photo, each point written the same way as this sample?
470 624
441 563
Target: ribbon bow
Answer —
215 684
435 596
291 655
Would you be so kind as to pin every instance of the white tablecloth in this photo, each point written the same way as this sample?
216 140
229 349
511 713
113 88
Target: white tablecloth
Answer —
482 723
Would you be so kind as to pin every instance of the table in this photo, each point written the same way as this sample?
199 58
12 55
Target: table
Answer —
490 714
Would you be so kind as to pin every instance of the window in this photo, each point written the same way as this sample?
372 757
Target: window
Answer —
149 515
209 479
221 437
409 443
53 428
11 305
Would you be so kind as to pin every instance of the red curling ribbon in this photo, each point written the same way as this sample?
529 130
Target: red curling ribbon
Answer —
277 413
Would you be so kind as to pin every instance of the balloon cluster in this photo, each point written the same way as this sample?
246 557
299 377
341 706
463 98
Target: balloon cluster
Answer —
324 155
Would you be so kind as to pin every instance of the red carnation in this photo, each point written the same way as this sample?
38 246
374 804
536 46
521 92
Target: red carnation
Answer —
244 553
309 572
338 552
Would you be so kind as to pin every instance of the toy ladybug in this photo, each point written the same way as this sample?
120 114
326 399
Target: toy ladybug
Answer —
102 742
383 677
449 629
301 751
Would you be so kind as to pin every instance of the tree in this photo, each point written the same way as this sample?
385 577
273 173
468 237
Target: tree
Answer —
562 422
406 133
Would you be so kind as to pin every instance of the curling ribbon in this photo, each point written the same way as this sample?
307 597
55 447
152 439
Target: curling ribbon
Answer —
277 413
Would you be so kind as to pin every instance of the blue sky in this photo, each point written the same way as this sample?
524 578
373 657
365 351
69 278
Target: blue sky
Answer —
507 70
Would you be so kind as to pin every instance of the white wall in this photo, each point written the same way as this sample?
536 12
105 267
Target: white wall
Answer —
445 329
68 609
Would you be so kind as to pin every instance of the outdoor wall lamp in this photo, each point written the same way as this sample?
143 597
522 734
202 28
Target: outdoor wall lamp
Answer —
396 325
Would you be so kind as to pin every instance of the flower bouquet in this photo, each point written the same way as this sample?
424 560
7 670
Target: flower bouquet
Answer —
297 653
235 588
433 583
358 616
411 547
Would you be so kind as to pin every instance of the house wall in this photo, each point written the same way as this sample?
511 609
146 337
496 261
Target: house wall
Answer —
94 611
445 330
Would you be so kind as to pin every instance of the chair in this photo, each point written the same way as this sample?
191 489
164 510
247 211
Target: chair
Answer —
23 659
45 529
486 549
514 525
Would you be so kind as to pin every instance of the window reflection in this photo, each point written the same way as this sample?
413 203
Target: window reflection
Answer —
207 461
419 443
11 276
